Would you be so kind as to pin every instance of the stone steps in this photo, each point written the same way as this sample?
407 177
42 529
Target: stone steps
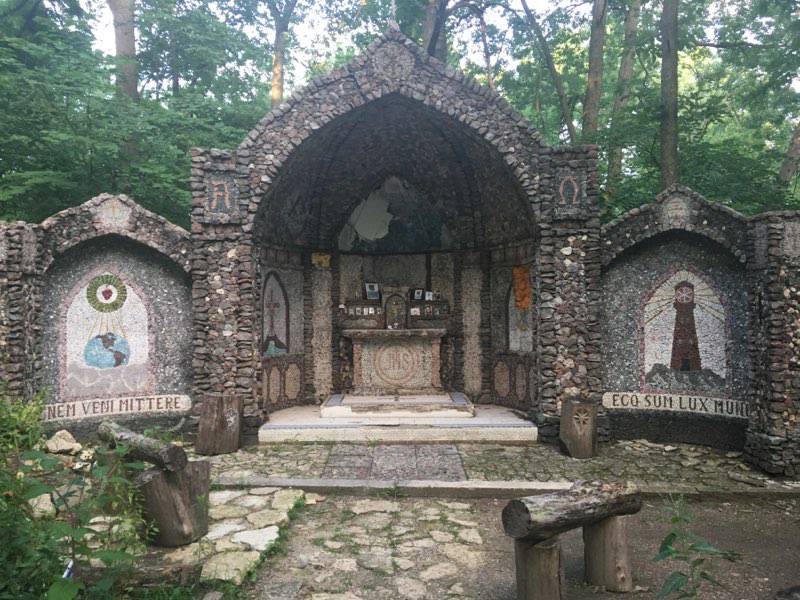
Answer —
375 410
490 424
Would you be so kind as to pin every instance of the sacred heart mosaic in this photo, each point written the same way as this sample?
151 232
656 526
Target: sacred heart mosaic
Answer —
107 340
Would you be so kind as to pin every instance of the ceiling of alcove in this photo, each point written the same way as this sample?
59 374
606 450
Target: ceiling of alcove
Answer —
462 178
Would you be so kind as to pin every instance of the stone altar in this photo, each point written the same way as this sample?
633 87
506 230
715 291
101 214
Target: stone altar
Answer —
396 361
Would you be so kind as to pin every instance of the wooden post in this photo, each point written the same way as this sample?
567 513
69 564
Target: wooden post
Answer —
540 570
220 424
177 503
605 553
578 429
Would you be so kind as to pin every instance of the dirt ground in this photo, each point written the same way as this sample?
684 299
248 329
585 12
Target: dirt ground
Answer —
348 548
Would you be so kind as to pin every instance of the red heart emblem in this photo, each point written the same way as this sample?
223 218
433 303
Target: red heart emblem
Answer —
107 293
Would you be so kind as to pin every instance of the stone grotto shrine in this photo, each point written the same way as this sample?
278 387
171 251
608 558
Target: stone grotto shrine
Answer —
396 237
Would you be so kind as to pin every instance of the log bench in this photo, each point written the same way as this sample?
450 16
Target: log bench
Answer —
174 494
535 523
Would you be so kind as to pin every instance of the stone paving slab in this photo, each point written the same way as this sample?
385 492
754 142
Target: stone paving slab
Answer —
654 466
389 548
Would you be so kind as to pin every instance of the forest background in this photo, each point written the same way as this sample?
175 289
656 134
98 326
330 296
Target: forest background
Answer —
700 92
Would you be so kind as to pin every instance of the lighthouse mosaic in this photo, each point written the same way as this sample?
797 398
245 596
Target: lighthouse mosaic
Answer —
684 336
107 340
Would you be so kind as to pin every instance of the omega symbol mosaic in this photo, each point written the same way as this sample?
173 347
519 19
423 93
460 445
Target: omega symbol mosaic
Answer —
107 345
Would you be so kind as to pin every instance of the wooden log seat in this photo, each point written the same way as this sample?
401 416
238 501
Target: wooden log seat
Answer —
535 522
174 494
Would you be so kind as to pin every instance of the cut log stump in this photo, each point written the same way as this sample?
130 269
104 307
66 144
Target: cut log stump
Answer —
161 454
605 551
578 428
177 503
220 424
540 570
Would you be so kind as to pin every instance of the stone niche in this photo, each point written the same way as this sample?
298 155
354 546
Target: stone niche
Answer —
675 342
116 333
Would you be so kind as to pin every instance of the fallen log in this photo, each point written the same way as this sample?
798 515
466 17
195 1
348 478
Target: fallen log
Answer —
535 519
176 503
161 454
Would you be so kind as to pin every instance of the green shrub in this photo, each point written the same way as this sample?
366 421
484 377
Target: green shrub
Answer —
20 422
692 552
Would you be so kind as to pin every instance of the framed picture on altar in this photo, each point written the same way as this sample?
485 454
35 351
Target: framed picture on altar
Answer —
417 294
428 296
351 311
358 311
415 312
428 310
371 310
373 291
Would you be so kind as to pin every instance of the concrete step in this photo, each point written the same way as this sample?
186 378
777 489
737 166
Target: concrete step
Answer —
376 409
490 424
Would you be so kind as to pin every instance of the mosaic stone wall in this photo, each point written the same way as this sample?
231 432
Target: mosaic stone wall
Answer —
643 298
117 322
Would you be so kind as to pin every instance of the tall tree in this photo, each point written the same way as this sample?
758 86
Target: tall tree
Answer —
558 84
594 78
125 41
282 13
669 93
790 163
621 95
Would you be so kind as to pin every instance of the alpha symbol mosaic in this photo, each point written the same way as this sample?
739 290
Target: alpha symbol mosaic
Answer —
107 340
685 336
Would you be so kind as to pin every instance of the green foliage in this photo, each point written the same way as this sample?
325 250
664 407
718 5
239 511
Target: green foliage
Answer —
20 422
694 554
37 547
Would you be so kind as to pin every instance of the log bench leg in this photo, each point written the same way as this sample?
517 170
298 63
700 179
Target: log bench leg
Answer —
540 570
220 425
605 554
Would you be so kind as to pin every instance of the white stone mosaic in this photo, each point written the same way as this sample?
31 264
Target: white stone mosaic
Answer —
710 322
105 341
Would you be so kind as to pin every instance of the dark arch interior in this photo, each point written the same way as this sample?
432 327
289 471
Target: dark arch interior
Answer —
456 176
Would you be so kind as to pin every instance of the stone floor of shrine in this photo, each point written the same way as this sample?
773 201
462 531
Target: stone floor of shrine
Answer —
657 468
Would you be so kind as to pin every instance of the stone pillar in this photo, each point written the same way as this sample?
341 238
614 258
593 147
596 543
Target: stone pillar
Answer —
773 275
568 288
223 292
19 301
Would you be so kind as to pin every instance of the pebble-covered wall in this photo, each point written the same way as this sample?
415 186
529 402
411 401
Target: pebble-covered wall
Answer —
395 114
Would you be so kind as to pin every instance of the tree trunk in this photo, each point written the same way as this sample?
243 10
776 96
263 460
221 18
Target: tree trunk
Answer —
165 456
220 424
563 102
605 555
125 40
669 94
594 79
487 55
540 570
278 57
434 36
534 519
621 96
177 503
790 163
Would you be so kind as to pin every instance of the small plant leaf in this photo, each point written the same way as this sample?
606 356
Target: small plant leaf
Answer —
674 583
63 589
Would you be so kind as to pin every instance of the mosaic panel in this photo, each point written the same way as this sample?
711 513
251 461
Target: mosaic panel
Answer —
276 317
107 342
684 336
